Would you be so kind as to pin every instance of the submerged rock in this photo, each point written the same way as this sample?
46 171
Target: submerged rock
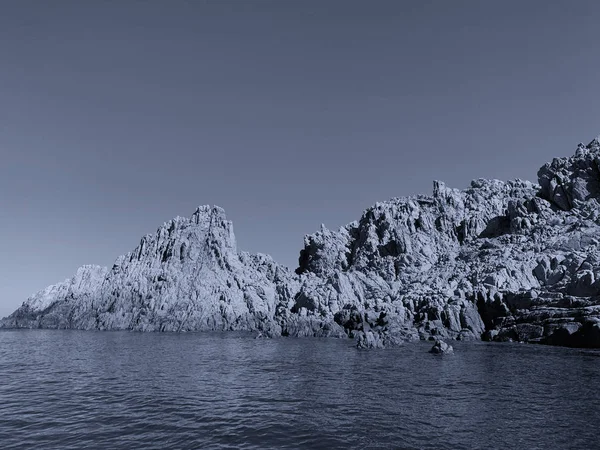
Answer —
499 261
441 347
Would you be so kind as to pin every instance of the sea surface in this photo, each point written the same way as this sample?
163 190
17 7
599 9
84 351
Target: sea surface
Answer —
76 389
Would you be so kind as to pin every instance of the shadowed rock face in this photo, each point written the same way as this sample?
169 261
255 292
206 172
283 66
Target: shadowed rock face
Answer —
498 261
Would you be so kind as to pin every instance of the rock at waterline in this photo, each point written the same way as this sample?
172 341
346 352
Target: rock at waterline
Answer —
369 340
374 339
264 335
440 347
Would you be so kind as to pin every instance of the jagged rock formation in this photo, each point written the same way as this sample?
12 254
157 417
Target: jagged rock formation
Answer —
187 276
498 261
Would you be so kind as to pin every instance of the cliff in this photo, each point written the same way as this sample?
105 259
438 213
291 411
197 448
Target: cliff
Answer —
498 261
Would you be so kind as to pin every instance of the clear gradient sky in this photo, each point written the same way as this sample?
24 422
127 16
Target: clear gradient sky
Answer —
117 115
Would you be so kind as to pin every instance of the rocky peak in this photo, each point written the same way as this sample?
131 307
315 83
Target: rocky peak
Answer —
571 182
182 238
326 251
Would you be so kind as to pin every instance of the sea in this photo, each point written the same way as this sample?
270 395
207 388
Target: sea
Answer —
66 389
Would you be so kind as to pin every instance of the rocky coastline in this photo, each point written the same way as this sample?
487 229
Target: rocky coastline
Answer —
498 261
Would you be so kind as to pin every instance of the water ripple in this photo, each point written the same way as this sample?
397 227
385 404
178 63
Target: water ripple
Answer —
71 390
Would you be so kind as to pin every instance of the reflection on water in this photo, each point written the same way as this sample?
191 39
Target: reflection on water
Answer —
71 389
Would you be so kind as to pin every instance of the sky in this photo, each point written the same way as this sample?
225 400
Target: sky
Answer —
117 116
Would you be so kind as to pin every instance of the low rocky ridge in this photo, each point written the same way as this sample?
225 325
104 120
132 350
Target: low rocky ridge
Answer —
496 261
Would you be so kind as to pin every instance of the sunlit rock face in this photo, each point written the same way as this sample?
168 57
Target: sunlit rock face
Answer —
186 276
61 305
498 260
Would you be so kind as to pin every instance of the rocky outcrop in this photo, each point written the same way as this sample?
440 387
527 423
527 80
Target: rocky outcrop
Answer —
407 266
497 261
62 304
187 276
441 348
572 182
